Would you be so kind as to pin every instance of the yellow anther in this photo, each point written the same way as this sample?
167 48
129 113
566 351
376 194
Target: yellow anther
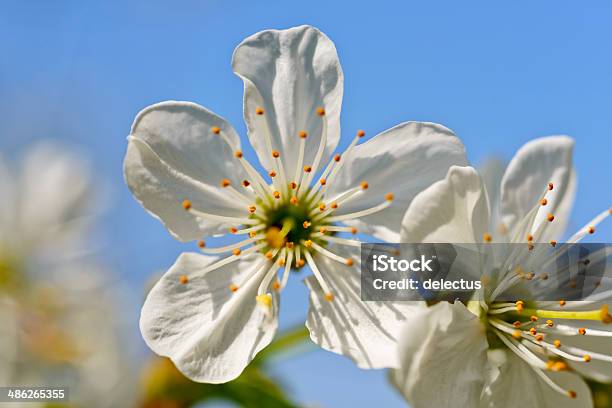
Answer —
236 251
582 331
294 200
233 230
275 154
246 183
322 230
519 306
276 285
201 243
360 133
186 204
605 316
252 234
307 169
544 276
252 209
543 201
303 134
389 197
550 364
539 337
259 111
264 300
586 358
550 186
320 111
353 230
276 194
300 262
308 243
572 394
183 279
553 243
533 318
560 366
225 183
364 185
306 224
487 237
334 205
272 173
550 217
215 129
591 229
562 303
530 276
289 245
337 159
533 331
238 154
550 323
557 343
281 262
269 255
293 185
517 334
329 297
321 207
517 324
233 287
349 262
322 181
529 237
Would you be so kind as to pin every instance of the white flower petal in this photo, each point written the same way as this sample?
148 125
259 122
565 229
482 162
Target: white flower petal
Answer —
518 385
289 73
174 155
366 332
491 173
210 333
442 352
455 209
537 163
403 160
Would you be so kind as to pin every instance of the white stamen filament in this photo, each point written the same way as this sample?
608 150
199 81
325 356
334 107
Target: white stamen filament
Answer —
287 271
307 179
343 241
223 218
329 254
228 260
360 214
316 272
227 248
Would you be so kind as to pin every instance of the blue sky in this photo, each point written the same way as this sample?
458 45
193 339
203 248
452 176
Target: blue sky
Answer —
497 73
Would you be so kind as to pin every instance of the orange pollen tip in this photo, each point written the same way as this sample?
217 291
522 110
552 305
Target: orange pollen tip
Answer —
586 358
236 251
275 154
276 284
289 245
329 297
582 331
487 237
252 234
517 324
308 243
186 204
246 183
252 209
572 394
517 334
543 201
322 230
389 197
259 111
183 279
306 224
533 331
320 111
201 244
550 323
364 185
557 343
353 230
591 229
272 173
216 130
294 200
334 205
238 154
360 133
293 185
550 217
529 237
550 186
323 181
610 211
233 230
269 255
539 337
562 303
349 262
553 243
300 262
534 318
276 194
337 159
233 287
322 207
225 183
303 134
605 316
307 169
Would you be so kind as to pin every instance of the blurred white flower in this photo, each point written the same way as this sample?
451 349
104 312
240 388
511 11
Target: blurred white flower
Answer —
490 352
185 165
59 322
